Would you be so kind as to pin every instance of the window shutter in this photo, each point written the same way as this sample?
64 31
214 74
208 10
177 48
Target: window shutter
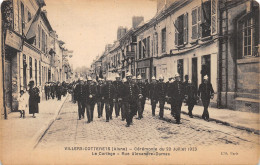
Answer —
176 32
213 17
194 24
200 15
185 28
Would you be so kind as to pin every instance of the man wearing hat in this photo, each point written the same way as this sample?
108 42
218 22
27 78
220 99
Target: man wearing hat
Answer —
206 93
123 103
99 98
108 93
141 101
80 96
153 94
191 96
130 95
91 91
176 93
119 88
161 91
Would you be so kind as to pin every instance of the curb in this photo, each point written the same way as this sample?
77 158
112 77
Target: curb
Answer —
220 121
39 135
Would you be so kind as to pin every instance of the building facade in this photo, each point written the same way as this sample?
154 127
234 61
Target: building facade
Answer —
31 49
218 38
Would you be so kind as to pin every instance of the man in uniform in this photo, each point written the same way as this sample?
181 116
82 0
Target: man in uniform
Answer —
80 97
206 93
91 91
161 91
191 96
47 91
108 93
123 104
141 101
153 94
130 94
118 87
99 98
177 91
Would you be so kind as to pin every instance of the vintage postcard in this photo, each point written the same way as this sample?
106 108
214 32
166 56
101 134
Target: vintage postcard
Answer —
129 82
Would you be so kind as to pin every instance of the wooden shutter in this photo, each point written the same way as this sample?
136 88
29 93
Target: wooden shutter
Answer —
200 15
176 32
185 28
213 17
194 24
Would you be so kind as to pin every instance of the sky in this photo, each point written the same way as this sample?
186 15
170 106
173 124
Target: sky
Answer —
86 26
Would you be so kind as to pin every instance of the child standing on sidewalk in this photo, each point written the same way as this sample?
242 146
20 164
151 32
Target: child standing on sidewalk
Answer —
23 103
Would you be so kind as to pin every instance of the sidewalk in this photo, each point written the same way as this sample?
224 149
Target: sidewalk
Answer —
18 134
242 120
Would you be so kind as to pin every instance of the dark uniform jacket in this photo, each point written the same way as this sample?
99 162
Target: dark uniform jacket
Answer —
205 91
161 90
130 92
108 92
91 89
176 91
99 92
142 89
152 91
191 93
80 93
119 88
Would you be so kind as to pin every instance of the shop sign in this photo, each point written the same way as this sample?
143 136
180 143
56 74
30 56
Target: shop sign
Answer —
13 40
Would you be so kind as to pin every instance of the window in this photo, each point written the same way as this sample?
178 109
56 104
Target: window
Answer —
140 50
30 66
22 15
39 37
163 40
181 29
35 72
43 41
247 37
206 18
148 46
132 48
46 45
40 72
29 16
156 44
144 48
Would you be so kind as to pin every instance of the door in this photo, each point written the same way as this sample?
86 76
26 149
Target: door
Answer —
180 68
195 72
205 67
8 86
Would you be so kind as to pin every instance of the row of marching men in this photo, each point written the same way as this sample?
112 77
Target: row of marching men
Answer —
130 94
55 89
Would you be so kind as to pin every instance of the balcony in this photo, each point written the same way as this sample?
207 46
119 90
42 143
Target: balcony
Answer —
130 54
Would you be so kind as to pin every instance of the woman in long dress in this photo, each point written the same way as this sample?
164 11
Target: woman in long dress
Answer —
34 99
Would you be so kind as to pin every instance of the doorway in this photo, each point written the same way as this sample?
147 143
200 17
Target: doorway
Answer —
194 78
205 67
8 85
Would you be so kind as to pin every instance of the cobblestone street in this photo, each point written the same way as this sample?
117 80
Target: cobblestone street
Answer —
150 131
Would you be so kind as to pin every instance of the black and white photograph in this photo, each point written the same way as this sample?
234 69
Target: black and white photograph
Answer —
129 82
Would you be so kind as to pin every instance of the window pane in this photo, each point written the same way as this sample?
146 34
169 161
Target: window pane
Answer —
249 50
245 41
249 31
249 40
245 51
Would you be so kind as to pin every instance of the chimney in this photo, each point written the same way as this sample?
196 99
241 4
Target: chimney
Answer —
121 31
136 20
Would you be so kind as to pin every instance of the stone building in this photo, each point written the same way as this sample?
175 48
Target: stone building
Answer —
31 47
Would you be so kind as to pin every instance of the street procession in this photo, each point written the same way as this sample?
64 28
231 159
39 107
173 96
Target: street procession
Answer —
130 94
133 80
